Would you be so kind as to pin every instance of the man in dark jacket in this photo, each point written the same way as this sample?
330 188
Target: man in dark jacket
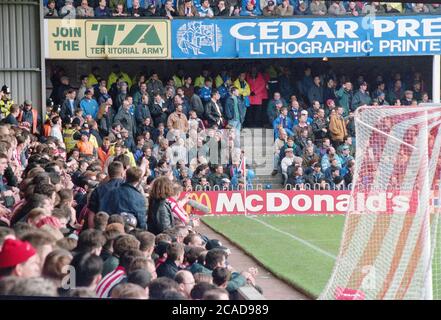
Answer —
125 118
70 104
213 110
315 93
127 198
217 176
361 97
12 116
142 110
175 257
235 109
116 178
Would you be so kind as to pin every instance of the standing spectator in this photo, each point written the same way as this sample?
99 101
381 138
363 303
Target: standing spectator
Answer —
258 93
213 110
84 11
319 127
344 96
235 110
315 92
361 97
337 127
395 93
116 74
70 104
126 119
285 9
178 121
244 88
30 115
160 215
274 106
127 198
89 105
102 11
283 121
205 91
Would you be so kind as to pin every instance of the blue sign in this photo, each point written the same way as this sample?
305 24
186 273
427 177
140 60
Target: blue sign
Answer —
306 37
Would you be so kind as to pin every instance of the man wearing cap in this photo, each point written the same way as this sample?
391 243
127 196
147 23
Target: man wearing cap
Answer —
5 101
18 258
361 97
30 115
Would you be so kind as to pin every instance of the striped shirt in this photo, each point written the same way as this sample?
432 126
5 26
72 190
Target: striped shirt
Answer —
178 211
110 281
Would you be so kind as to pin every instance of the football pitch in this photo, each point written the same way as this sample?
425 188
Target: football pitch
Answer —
300 249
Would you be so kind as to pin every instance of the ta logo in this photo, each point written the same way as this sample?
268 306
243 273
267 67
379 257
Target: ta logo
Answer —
139 34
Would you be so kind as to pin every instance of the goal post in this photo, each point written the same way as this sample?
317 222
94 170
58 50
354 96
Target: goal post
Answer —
389 243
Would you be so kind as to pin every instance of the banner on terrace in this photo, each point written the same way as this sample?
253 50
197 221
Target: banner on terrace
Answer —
107 39
306 37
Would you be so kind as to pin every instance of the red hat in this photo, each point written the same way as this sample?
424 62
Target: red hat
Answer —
15 252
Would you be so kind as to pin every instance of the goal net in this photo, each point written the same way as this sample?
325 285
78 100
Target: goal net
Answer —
389 244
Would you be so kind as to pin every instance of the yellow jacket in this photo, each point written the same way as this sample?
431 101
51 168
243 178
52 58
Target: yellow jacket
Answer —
246 91
91 80
113 78
5 106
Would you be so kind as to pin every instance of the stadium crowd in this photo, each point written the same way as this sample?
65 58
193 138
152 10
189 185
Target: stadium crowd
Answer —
224 8
95 185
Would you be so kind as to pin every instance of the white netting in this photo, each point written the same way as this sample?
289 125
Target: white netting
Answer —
390 233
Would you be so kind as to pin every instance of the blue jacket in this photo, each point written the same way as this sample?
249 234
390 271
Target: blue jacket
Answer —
90 107
128 199
205 94
287 126
229 109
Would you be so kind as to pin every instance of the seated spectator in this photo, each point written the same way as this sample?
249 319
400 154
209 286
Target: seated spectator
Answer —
84 11
318 7
283 121
336 8
152 11
205 10
270 10
353 9
167 10
50 10
221 10
119 11
187 9
302 9
373 8
102 11
136 10
250 8
68 11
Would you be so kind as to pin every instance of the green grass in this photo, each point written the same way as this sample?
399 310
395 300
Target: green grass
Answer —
301 251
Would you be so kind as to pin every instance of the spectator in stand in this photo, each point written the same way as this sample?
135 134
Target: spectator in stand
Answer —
235 110
274 105
345 96
136 10
270 10
89 105
318 8
395 93
250 8
258 93
175 258
244 88
337 127
50 10
119 11
285 9
434 8
160 216
167 10
336 8
187 9
221 10
102 11
361 97
18 258
205 9
68 11
354 9
373 8
283 121
84 11
214 110
315 92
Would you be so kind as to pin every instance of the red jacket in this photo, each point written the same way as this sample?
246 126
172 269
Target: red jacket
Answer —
258 86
